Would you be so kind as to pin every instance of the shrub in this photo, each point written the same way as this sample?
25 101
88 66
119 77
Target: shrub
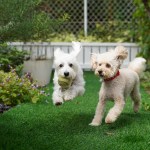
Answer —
26 20
145 82
141 33
11 57
15 90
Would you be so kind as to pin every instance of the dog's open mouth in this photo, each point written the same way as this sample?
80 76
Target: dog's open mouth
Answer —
101 75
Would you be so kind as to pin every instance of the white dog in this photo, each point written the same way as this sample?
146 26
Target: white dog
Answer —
117 83
67 67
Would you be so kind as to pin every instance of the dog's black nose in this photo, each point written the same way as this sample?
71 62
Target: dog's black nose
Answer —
66 74
100 72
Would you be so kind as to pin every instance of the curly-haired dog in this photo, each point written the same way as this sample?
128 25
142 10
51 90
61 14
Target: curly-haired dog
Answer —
68 77
117 83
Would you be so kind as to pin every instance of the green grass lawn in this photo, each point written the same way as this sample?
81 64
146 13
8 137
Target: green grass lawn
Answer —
43 126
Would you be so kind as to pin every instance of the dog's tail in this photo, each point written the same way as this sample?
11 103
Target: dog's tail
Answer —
76 48
138 65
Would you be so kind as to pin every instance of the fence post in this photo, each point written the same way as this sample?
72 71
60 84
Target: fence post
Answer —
85 18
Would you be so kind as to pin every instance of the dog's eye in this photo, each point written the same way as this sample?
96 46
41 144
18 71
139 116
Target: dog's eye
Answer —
108 65
61 65
100 64
70 65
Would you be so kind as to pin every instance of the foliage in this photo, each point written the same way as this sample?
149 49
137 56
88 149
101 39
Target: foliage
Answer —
24 20
142 30
108 20
11 57
145 82
94 36
146 106
15 90
34 20
111 32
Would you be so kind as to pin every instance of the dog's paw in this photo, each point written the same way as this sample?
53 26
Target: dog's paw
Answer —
68 97
58 103
94 124
110 120
136 107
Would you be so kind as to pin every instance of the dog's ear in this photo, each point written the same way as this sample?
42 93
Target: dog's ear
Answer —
121 53
94 61
58 52
76 48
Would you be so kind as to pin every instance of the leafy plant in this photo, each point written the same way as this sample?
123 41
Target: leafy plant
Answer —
145 82
26 20
15 90
142 30
146 106
11 57
111 32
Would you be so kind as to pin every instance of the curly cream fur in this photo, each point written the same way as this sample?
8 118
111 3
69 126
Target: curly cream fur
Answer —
106 65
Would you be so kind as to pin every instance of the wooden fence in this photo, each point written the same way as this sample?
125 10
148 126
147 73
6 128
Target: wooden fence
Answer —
46 49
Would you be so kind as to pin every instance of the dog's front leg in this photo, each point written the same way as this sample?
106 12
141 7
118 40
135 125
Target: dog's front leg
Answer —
57 97
69 94
97 120
114 112
73 92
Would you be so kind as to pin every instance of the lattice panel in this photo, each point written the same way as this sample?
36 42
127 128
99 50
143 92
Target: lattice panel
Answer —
103 15
109 11
71 9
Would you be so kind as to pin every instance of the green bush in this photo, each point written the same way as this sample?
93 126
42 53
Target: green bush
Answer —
11 57
145 82
114 31
15 90
142 30
26 20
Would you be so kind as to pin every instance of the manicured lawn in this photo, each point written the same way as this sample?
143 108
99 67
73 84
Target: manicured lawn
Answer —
43 126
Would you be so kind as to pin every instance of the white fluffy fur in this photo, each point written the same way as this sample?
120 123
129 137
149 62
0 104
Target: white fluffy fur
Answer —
138 65
106 65
65 62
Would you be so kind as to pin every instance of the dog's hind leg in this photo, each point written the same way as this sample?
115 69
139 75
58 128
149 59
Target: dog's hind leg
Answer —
136 98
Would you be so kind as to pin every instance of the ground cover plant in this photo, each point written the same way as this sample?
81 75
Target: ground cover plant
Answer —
15 90
48 127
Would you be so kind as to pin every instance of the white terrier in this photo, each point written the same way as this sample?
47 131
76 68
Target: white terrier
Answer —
117 83
67 68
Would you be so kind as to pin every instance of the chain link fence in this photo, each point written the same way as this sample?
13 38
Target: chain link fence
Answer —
106 19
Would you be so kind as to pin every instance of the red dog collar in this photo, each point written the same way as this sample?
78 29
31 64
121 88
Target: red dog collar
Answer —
109 79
